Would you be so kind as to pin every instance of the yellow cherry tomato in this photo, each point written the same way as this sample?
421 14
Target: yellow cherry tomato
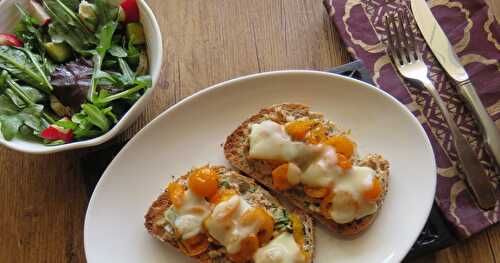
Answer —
204 182
280 178
342 145
176 193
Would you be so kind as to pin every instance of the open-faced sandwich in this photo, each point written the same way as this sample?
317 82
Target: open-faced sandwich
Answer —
215 214
313 164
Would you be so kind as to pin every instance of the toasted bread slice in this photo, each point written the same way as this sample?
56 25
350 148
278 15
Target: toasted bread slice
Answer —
236 150
252 193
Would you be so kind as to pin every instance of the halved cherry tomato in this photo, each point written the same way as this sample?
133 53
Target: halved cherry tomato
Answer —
54 133
248 247
343 162
298 229
222 195
342 145
316 192
280 178
298 129
317 135
204 182
176 193
264 219
131 10
10 40
195 245
373 194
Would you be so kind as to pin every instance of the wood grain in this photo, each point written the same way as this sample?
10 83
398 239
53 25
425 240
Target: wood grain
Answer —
43 198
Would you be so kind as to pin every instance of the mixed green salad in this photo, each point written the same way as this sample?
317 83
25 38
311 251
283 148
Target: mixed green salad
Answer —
71 69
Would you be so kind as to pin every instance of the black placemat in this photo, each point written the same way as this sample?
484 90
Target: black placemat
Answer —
435 235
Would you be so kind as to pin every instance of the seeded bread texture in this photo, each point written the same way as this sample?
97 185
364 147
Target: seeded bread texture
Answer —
236 149
249 190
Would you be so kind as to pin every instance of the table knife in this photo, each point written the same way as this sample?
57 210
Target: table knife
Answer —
437 41
444 53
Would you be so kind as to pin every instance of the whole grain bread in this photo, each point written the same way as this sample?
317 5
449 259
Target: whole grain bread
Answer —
236 149
251 192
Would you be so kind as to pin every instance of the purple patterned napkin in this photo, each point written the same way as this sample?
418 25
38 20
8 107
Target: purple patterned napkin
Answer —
475 35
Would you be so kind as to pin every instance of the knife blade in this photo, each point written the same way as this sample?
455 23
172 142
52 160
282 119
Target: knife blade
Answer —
443 51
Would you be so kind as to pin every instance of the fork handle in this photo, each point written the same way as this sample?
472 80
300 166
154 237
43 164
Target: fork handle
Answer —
471 167
490 131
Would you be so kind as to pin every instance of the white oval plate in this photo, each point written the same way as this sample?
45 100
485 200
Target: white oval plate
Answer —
192 132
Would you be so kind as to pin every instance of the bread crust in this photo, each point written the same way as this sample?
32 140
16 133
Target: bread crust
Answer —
249 190
236 150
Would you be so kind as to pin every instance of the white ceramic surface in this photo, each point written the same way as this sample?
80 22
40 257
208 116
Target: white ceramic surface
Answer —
191 133
8 18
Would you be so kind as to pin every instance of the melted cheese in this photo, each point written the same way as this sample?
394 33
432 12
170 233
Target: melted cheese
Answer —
293 174
282 249
348 203
269 141
189 218
323 171
224 226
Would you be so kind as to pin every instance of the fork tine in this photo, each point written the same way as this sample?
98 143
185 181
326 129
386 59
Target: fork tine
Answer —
399 32
413 41
405 27
390 40
396 46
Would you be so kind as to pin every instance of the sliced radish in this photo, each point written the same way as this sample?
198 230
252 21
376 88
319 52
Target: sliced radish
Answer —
55 133
10 40
131 11
39 13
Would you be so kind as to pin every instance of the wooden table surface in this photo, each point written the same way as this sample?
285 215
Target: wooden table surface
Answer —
43 198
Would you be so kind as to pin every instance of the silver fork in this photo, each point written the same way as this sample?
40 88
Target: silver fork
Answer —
407 57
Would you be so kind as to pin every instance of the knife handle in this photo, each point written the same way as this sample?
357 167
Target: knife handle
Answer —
470 165
491 133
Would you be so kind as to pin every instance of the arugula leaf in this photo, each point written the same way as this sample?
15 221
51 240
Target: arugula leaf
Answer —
85 128
15 99
34 94
109 113
27 30
5 79
26 133
117 51
17 63
126 70
10 125
35 60
133 54
7 107
72 4
13 118
121 95
96 117
66 124
31 93
61 13
31 117
105 12
105 41
59 33
66 26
